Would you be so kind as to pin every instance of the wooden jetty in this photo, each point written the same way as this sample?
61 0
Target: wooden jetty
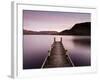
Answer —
57 56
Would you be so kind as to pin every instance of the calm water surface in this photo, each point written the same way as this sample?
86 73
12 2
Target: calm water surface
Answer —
36 49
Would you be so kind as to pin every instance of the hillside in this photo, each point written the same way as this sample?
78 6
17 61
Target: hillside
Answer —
78 29
28 32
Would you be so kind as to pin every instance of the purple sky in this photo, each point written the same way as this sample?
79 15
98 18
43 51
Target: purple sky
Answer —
52 21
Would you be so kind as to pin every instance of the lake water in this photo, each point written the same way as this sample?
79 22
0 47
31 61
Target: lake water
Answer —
35 49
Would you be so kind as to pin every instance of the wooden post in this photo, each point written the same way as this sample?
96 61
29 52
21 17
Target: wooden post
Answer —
54 39
61 39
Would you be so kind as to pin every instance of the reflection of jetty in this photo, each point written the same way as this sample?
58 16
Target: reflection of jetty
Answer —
57 56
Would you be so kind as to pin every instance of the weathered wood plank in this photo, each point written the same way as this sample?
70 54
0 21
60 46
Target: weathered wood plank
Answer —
57 56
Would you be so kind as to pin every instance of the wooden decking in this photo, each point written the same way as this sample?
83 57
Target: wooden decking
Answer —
57 56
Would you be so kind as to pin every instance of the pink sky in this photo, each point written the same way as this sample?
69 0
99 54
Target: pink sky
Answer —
52 21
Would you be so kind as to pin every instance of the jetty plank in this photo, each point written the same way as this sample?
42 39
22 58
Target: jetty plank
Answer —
57 56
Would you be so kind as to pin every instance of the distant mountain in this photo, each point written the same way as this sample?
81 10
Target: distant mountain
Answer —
78 29
28 32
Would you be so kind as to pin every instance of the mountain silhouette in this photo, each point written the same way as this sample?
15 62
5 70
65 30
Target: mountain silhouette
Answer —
29 32
78 29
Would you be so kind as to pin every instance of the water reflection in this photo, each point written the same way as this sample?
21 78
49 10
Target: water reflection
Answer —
36 49
82 41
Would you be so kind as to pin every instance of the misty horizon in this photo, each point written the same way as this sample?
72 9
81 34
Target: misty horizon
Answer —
53 30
